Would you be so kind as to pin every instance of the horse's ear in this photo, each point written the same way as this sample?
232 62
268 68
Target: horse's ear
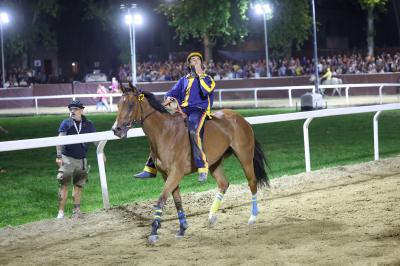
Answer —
133 88
121 87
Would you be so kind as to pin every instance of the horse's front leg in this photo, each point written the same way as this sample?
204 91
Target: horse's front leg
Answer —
170 185
183 225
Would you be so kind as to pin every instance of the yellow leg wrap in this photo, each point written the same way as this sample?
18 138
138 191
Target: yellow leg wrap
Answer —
217 202
157 213
150 169
203 170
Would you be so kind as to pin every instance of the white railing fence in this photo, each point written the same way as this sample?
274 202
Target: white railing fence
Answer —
103 137
338 88
289 89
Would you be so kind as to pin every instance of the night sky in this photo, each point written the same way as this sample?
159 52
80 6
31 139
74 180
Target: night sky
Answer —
87 41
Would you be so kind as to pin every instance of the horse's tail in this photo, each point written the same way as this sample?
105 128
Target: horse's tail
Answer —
260 164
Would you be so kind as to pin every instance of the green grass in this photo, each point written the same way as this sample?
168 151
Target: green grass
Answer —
29 188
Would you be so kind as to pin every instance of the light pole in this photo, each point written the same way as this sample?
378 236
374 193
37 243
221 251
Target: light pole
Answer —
4 19
315 49
266 10
132 19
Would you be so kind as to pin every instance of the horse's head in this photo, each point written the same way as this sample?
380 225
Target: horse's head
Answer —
128 110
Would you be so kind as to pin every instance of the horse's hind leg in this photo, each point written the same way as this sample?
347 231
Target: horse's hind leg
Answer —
217 171
245 155
181 214
252 181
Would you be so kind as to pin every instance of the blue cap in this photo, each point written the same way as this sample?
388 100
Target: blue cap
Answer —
76 104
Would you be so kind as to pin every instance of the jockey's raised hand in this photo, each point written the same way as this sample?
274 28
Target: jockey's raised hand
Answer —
197 67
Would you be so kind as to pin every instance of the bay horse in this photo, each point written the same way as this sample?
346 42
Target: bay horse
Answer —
225 134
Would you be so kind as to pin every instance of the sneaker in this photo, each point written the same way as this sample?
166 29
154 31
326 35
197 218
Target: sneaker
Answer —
60 214
144 174
203 177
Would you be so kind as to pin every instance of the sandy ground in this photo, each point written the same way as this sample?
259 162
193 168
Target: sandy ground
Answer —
339 216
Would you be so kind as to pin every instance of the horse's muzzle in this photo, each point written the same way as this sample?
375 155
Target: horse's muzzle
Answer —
120 132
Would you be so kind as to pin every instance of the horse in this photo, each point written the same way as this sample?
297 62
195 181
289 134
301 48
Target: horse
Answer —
332 81
225 134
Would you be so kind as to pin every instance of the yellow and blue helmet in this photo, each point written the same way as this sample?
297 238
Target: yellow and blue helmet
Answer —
194 54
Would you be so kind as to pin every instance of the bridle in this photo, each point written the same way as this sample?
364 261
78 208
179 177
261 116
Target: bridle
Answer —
139 96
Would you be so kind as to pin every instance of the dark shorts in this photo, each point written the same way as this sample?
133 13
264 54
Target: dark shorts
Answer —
73 169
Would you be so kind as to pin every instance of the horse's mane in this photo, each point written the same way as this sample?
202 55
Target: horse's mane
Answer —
151 98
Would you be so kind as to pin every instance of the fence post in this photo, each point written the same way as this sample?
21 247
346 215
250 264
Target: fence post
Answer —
290 97
307 144
255 98
380 94
36 106
376 135
347 95
220 98
111 103
102 173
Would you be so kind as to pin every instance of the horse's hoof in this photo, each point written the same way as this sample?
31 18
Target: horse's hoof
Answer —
212 219
252 219
153 239
181 232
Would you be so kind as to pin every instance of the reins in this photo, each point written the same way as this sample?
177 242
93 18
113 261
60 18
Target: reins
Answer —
146 116
140 96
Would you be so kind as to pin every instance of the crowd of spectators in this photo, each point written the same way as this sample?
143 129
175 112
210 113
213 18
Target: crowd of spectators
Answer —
229 69
339 64
19 77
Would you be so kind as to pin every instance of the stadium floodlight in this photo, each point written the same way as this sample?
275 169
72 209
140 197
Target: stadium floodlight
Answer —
4 19
131 19
265 9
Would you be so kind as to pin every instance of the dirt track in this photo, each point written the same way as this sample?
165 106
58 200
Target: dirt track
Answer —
338 216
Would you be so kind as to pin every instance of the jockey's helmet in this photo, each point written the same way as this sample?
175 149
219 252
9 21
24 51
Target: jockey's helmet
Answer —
194 54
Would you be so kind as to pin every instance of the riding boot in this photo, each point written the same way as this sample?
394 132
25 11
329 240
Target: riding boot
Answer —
149 170
145 174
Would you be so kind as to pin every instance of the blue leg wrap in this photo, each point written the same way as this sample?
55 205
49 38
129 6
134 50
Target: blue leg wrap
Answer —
182 217
254 209
182 223
157 220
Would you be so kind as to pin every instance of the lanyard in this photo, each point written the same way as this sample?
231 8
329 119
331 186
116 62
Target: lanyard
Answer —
76 128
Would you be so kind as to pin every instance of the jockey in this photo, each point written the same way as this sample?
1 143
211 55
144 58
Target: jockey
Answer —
195 94
327 75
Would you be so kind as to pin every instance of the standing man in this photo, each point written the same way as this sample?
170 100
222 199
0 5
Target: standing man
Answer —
71 159
195 94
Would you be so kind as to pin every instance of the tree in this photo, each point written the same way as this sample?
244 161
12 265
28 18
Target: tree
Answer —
107 13
31 25
371 6
396 9
208 21
290 25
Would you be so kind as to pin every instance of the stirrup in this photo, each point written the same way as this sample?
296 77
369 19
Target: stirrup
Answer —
144 174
